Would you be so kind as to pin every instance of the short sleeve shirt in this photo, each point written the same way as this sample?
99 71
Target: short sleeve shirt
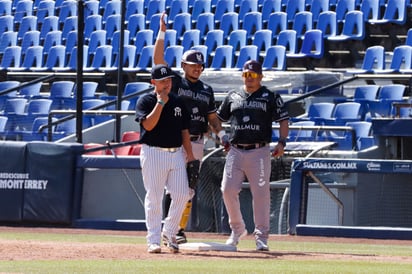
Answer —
199 100
173 119
251 115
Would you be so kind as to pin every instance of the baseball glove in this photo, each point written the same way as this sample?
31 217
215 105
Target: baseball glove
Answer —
192 169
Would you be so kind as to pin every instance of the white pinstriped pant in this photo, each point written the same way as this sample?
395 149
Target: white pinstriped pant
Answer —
162 169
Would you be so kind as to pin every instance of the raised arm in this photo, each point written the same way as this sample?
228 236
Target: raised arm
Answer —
159 46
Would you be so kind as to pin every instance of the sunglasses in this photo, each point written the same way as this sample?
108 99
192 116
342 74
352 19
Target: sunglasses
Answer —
253 75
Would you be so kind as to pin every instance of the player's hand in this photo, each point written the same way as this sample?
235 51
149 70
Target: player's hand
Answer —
163 95
225 142
278 151
162 24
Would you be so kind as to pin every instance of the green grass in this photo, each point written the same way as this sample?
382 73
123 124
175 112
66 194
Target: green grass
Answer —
276 262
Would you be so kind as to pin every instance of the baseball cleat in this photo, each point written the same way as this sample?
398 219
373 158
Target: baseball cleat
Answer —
154 248
235 237
171 243
261 245
181 237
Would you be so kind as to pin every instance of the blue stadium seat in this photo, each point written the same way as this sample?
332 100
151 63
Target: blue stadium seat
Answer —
317 7
97 38
263 40
248 52
11 58
200 7
115 42
182 23
401 60
317 112
7 39
214 39
143 38
53 38
31 91
302 23
72 63
154 7
134 7
64 129
190 38
30 38
269 7
24 8
395 12
50 23
33 59
69 25
70 42
312 45
112 25
89 90
342 8
173 55
45 9
28 23
102 59
293 7
170 37
136 23
222 58
365 93
34 134
374 59
252 22
343 113
154 23
327 23
177 7
277 23
145 61
66 10
237 39
6 23
34 108
56 58
112 7
287 38
229 22
133 87
353 27
371 11
5 7
302 134
223 7
91 7
275 58
364 138
92 23
247 6
205 23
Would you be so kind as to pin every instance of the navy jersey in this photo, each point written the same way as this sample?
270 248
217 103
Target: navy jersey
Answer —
251 115
173 119
199 100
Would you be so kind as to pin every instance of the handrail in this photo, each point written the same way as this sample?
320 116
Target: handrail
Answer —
41 79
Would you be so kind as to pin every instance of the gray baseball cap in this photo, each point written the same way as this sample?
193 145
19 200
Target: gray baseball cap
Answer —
160 72
192 57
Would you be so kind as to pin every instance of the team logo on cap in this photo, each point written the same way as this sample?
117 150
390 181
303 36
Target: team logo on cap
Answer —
199 57
163 71
250 66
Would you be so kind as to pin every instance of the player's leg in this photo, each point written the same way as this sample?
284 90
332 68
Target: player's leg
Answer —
258 173
233 177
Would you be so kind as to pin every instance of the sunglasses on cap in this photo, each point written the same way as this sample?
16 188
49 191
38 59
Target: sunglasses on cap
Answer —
253 75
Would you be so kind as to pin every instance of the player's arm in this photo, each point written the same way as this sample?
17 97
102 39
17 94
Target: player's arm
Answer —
159 46
283 134
187 145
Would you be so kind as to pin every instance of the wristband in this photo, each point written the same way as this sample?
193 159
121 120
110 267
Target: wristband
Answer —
161 35
161 102
282 141
221 134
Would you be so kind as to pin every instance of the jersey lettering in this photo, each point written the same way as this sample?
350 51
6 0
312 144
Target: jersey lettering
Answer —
195 96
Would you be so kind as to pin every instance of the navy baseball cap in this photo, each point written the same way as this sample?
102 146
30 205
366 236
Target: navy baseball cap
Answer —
193 57
252 66
160 72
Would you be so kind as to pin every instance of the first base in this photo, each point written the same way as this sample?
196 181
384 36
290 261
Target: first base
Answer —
207 247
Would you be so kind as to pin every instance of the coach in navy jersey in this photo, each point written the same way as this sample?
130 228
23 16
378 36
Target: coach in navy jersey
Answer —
251 110
199 100
165 140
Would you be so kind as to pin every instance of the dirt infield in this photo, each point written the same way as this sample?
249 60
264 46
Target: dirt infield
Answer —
11 250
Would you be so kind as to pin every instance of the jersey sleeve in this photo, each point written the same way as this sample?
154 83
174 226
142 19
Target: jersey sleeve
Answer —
223 112
144 106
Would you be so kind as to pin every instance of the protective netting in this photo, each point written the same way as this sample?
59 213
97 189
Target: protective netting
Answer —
210 212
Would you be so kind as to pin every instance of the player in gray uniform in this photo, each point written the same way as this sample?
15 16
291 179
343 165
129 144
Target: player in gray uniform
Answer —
164 124
200 103
251 111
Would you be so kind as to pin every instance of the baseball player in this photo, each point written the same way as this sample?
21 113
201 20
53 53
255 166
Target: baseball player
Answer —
251 111
164 124
200 103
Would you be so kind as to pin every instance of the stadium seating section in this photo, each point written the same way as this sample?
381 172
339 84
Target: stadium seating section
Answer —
365 36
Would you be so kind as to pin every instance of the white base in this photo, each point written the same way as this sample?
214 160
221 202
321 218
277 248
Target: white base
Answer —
207 247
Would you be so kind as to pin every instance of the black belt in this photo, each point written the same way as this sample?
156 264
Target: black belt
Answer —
194 138
249 146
